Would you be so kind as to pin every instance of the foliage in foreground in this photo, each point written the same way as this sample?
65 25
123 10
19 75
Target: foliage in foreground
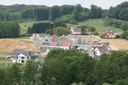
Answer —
125 35
69 67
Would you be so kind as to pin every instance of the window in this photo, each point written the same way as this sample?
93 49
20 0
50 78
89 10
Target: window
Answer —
46 40
22 57
22 61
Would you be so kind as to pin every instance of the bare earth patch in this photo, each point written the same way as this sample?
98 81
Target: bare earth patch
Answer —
119 44
88 38
115 44
8 45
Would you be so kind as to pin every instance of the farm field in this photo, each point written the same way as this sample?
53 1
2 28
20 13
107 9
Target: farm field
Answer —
118 44
25 25
115 44
7 45
88 38
99 25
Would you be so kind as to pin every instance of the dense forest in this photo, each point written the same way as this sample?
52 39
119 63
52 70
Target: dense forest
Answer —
21 12
77 12
69 67
119 12
9 29
60 15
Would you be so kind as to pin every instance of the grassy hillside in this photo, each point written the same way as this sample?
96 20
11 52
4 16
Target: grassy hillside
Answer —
25 25
99 25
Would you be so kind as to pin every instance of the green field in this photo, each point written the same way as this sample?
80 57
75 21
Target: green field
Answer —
26 24
3 54
3 59
99 25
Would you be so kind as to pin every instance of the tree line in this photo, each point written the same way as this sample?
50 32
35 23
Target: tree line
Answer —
49 28
116 23
9 30
59 14
39 27
78 13
124 35
69 67
35 12
119 12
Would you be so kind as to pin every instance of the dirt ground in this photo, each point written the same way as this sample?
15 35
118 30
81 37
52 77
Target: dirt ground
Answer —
119 44
8 45
115 44
88 38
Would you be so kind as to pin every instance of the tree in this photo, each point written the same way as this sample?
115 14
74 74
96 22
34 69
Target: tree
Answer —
91 29
16 74
111 67
2 77
124 26
54 72
123 14
9 30
64 19
121 82
84 29
80 83
95 12
28 14
39 27
76 12
66 9
64 67
61 31
119 11
83 16
49 31
124 35
15 16
29 72
41 13
54 12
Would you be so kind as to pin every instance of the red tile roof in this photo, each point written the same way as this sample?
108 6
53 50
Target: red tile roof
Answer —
66 42
53 43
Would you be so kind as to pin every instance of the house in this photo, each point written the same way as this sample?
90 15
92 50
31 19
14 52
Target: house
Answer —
41 39
61 43
75 31
98 50
110 34
66 43
76 39
58 43
21 56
